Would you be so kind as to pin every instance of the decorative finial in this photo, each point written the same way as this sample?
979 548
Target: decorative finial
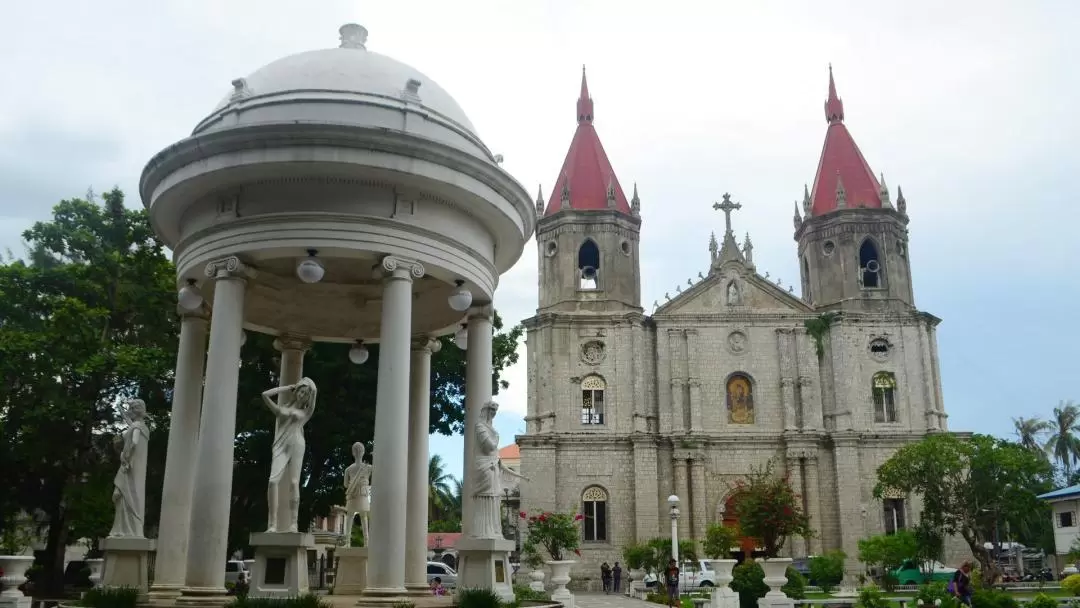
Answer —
748 249
539 200
798 218
901 202
841 194
666 296
700 276
766 274
240 89
690 282
655 304
635 202
806 199
678 289
713 246
791 289
611 193
779 282
564 196
883 193
353 36
584 102
834 106
727 207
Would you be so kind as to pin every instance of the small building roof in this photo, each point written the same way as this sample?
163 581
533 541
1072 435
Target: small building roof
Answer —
511 451
442 540
1062 494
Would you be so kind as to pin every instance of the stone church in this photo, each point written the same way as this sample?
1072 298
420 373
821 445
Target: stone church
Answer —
625 408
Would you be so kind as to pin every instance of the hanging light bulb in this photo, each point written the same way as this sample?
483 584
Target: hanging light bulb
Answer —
310 270
461 338
189 297
359 354
461 299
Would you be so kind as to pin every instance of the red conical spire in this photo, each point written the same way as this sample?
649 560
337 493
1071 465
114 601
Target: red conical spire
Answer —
586 177
842 163
584 102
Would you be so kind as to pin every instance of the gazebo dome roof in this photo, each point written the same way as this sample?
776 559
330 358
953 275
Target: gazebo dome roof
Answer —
349 74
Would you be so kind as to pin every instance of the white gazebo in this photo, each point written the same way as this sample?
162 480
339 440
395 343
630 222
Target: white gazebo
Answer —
339 196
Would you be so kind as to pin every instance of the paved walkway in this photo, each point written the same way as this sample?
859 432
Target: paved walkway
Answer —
600 600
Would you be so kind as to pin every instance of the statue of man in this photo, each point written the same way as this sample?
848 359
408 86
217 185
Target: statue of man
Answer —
129 485
357 493
294 406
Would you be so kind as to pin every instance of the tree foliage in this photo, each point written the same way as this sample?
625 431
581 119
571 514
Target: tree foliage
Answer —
86 324
719 539
769 510
887 551
970 488
827 570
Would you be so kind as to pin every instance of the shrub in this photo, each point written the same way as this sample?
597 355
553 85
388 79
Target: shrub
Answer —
637 555
308 600
991 598
1071 584
555 533
933 592
524 593
478 598
872 597
1042 601
827 571
718 541
748 580
110 597
795 588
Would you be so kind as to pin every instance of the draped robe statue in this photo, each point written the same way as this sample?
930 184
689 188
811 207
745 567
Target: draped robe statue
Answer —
129 485
294 406
490 476
357 493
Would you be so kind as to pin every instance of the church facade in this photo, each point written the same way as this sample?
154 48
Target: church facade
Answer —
734 371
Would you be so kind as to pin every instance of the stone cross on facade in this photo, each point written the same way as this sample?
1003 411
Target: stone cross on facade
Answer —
727 207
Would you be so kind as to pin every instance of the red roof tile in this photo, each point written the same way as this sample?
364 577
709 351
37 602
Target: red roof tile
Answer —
586 172
442 540
841 159
511 451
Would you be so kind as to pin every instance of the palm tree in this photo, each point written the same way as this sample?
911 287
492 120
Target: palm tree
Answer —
1030 432
438 485
1064 442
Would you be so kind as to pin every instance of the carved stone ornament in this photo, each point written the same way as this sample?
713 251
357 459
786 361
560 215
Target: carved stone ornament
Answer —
737 342
593 352
880 348
224 267
391 264
805 381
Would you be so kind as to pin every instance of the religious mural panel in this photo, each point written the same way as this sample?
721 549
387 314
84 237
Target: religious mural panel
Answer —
740 400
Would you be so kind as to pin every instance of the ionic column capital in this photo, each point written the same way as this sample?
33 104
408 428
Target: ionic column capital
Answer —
394 267
482 311
426 343
288 342
228 268
202 313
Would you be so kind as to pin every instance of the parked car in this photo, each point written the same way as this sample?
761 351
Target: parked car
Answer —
234 569
910 573
691 574
444 572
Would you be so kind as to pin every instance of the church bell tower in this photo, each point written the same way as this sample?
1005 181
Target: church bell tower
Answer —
852 236
588 232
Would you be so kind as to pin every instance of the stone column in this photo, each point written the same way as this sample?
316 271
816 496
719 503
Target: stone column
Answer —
208 542
693 346
386 571
477 392
171 560
292 351
699 501
682 490
849 494
416 522
799 546
785 343
813 501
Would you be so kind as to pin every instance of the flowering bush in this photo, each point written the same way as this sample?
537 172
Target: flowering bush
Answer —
555 533
769 510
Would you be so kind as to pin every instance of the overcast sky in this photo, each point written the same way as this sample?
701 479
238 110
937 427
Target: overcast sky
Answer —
971 106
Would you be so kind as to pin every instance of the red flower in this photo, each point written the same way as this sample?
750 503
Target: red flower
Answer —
543 517
577 552
579 517
523 514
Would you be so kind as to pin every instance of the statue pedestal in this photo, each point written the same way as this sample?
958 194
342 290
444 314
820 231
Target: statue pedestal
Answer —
127 562
280 564
351 576
485 563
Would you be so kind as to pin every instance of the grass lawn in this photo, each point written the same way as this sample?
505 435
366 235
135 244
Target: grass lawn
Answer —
1025 594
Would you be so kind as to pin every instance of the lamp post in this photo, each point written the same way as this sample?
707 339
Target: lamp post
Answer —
673 503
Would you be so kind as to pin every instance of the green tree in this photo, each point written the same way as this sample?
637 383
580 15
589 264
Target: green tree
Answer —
769 510
1064 442
719 539
1031 431
87 323
439 482
886 552
969 488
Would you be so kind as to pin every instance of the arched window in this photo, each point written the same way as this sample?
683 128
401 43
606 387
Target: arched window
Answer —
592 400
594 509
884 389
588 262
869 265
740 399
806 279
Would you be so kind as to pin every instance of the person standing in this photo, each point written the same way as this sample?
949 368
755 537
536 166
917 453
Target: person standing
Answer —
960 586
616 577
671 579
605 576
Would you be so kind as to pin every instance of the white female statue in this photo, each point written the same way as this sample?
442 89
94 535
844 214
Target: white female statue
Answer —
129 486
294 407
357 493
490 474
